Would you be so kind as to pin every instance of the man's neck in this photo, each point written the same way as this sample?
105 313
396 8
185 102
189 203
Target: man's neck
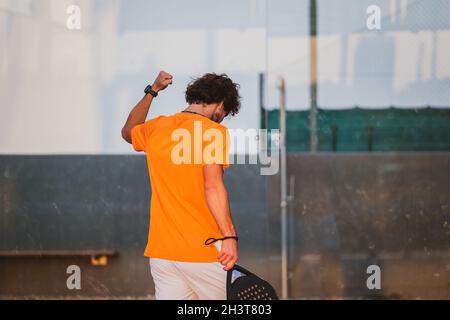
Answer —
197 108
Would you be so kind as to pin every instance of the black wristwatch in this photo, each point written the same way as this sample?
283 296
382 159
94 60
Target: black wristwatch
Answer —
148 89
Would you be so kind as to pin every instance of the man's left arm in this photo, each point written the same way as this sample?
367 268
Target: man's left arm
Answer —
140 111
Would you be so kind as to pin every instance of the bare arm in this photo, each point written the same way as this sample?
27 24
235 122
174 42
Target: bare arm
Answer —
217 199
140 111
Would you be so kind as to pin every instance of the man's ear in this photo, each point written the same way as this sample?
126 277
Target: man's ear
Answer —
221 106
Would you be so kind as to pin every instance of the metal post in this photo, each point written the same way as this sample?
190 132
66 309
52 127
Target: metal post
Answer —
283 203
314 140
262 109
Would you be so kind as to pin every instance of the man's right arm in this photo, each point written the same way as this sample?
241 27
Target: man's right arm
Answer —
217 199
140 111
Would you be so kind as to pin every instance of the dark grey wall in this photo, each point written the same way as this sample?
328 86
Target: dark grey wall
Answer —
354 210
349 211
98 203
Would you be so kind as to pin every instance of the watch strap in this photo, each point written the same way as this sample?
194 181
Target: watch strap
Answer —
149 89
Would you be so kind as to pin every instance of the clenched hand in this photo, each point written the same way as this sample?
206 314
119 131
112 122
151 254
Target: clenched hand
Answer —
162 81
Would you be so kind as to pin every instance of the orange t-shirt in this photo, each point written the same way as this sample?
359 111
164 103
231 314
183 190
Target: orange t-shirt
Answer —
177 148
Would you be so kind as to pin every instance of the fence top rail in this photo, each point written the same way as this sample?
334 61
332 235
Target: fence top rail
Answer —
57 253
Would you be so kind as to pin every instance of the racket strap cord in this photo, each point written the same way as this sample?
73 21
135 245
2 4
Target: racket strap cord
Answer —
212 240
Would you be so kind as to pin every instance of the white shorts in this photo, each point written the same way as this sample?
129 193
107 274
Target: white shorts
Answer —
176 280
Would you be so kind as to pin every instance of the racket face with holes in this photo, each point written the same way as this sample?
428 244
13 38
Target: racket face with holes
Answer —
251 287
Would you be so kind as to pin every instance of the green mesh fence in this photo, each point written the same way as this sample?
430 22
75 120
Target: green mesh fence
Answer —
392 129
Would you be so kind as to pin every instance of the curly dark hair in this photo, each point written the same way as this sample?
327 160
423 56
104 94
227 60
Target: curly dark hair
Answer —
214 88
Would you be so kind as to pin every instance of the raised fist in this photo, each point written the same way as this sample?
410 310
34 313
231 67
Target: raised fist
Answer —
162 81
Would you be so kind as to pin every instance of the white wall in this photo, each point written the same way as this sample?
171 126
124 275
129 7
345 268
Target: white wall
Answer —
70 91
